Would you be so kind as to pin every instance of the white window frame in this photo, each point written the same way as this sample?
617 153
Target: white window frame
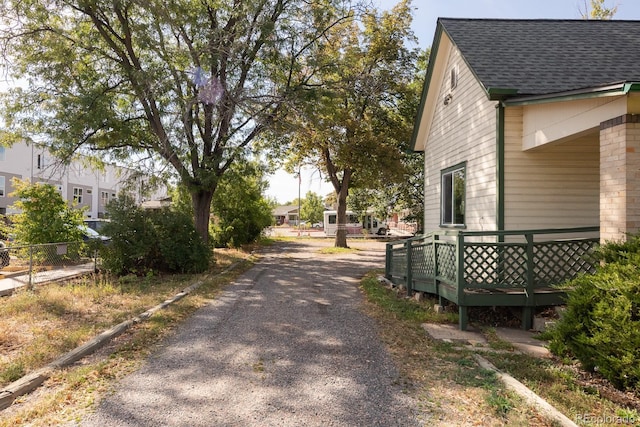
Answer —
77 195
449 200
3 181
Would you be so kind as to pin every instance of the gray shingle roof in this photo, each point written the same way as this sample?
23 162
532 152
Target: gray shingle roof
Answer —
540 57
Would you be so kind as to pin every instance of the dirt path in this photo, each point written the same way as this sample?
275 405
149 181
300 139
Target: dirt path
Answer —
285 345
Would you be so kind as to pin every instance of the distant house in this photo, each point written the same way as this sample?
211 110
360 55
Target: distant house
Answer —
532 124
79 182
286 215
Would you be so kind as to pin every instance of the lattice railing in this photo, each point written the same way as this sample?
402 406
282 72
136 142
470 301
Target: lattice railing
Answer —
557 262
491 262
495 265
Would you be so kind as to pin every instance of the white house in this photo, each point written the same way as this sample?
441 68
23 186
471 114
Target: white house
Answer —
532 124
87 186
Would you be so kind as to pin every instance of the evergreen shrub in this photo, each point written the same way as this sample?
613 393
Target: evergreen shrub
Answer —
601 324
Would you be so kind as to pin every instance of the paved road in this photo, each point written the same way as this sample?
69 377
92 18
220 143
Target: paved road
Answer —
285 345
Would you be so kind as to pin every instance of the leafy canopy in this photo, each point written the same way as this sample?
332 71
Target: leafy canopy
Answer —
350 124
189 82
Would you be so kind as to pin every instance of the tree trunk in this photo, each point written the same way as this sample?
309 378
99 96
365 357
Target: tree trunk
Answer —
201 201
341 219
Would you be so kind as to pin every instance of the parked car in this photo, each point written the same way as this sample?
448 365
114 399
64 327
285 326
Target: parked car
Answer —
89 234
96 223
317 225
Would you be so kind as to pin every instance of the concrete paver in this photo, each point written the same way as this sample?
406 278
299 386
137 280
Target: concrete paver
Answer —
524 341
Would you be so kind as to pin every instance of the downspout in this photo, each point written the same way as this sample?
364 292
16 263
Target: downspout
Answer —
500 168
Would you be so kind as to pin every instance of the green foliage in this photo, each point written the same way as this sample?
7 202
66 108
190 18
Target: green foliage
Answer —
45 216
312 208
191 83
181 248
352 124
598 10
143 241
601 325
240 209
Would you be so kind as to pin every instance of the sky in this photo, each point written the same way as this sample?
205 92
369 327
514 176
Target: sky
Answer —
284 187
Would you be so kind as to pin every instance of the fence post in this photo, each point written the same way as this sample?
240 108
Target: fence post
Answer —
30 267
409 276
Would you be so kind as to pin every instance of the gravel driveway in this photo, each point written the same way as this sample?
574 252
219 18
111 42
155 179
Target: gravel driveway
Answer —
284 345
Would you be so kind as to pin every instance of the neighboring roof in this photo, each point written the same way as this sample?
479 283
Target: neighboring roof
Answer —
156 204
537 57
284 210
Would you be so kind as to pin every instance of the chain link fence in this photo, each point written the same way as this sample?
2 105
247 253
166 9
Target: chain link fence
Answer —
29 265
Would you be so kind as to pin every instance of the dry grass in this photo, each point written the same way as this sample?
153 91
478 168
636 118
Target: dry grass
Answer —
455 391
38 326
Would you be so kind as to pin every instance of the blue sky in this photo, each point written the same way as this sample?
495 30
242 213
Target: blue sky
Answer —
284 187
427 12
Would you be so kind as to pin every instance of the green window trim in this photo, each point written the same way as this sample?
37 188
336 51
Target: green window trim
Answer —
453 196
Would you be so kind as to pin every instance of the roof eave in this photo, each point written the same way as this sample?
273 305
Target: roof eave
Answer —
614 89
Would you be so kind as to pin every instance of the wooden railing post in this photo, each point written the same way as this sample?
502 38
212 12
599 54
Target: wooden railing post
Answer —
527 310
388 261
460 282
409 247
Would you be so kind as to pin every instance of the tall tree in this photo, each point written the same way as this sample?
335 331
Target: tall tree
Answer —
406 197
190 82
350 126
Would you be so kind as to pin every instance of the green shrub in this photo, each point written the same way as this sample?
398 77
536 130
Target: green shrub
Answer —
45 217
181 248
601 325
142 241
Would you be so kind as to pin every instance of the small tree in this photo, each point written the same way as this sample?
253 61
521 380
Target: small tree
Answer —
240 210
312 208
45 216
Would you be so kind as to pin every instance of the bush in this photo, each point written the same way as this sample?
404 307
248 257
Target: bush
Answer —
241 212
601 325
45 217
142 241
181 248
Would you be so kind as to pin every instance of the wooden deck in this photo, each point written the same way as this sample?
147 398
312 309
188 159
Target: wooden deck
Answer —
508 268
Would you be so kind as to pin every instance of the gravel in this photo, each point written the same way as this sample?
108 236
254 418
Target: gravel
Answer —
284 345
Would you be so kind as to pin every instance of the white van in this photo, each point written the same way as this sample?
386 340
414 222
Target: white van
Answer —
354 225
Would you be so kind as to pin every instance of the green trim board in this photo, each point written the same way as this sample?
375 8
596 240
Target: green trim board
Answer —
500 164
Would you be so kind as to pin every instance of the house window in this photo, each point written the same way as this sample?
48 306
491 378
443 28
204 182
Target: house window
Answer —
2 191
1 153
104 198
40 161
453 192
77 195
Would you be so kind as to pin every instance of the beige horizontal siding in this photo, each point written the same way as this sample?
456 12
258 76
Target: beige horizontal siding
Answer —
462 131
553 186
